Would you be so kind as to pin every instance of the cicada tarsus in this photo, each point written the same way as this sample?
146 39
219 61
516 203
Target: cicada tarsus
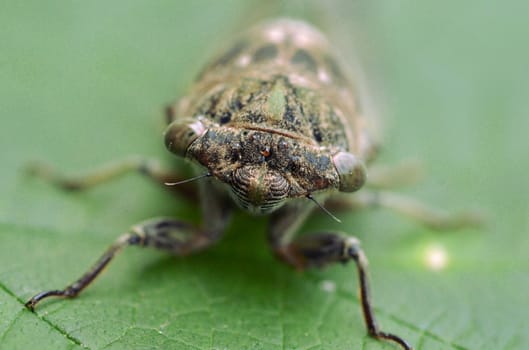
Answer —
274 127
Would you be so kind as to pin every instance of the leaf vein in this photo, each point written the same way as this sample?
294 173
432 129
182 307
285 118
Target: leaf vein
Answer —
51 324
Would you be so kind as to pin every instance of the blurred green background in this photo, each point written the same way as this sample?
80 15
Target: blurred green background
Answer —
84 83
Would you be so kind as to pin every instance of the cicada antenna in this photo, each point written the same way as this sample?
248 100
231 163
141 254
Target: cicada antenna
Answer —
201 176
309 196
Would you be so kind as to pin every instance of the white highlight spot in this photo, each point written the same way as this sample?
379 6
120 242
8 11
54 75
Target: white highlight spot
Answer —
303 38
244 60
436 257
276 34
323 76
328 286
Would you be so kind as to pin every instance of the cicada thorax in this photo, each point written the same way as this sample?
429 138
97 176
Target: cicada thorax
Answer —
283 76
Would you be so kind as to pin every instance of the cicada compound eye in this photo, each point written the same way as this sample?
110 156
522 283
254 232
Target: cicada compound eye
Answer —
351 171
181 133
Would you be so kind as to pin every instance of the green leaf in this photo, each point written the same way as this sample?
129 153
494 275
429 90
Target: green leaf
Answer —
84 83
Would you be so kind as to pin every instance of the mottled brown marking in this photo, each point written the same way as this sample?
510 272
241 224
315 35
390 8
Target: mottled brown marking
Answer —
231 54
265 53
333 67
303 57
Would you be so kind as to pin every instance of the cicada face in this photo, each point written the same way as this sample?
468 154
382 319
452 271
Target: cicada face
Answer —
274 118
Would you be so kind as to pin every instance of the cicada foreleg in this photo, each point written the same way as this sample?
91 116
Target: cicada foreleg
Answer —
174 236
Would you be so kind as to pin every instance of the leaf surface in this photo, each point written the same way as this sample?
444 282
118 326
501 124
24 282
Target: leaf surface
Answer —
82 84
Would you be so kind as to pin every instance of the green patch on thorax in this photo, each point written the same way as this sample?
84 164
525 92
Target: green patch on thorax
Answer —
276 103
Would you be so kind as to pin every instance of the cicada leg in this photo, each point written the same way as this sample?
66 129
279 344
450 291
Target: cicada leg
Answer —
426 215
174 236
148 167
320 249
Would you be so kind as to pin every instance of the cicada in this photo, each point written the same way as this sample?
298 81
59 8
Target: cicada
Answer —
273 126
